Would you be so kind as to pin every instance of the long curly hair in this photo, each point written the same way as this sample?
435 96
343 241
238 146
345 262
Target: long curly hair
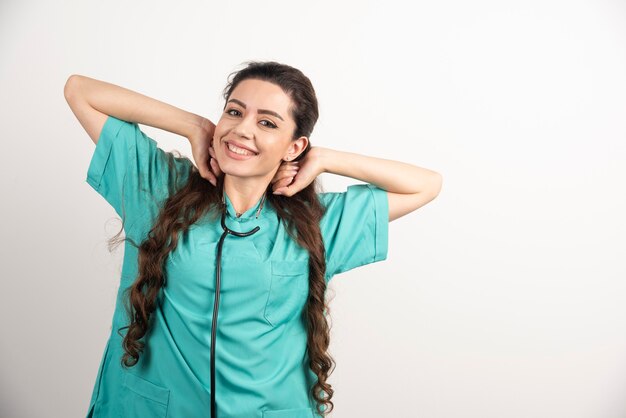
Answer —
197 197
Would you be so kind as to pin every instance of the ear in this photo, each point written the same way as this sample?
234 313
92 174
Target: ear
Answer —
295 148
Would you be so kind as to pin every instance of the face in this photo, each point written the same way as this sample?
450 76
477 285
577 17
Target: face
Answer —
257 118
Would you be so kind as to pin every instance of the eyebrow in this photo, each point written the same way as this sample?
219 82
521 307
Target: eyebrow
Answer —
264 111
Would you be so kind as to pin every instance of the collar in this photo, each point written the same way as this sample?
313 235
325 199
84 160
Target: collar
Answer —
262 206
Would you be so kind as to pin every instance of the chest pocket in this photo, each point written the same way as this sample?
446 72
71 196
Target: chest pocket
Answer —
142 398
289 288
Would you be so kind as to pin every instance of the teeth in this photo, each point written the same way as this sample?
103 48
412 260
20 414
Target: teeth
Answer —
238 150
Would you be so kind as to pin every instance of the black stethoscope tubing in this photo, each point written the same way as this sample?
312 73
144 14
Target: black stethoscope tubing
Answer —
216 304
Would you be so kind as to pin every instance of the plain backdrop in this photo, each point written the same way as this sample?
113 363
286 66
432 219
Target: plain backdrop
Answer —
502 298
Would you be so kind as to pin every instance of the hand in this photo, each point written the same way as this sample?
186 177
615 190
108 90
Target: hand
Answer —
293 176
203 153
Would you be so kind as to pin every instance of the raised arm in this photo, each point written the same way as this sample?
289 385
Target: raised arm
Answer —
408 187
93 100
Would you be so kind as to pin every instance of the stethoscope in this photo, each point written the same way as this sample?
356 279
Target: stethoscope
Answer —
216 304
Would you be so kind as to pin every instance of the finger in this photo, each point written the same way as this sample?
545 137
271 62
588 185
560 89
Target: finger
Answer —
282 183
288 166
207 175
215 167
288 169
281 174
296 185
285 177
286 173
212 152
210 177
288 163
288 181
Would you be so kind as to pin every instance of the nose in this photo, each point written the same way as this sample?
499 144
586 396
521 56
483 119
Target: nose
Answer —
244 128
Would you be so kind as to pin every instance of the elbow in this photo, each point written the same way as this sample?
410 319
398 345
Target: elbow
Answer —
71 86
437 184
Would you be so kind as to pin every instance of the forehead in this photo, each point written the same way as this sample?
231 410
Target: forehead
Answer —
260 94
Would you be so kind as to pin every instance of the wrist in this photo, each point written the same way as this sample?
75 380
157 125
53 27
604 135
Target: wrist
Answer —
324 158
202 127
318 156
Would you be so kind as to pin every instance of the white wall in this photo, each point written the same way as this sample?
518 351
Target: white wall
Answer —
504 297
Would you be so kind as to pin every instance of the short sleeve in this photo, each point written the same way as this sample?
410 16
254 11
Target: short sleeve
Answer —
354 227
131 172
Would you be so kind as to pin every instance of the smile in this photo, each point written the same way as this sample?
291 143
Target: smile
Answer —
238 153
238 150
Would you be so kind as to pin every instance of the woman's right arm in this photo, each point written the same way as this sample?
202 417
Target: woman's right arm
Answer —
92 101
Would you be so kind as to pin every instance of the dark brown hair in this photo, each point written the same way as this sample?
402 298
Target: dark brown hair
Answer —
300 214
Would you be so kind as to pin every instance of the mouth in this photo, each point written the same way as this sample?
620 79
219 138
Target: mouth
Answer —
238 153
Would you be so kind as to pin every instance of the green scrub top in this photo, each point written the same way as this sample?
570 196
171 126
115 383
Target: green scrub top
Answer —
261 362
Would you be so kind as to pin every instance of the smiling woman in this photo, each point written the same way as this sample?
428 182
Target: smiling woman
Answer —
195 234
253 129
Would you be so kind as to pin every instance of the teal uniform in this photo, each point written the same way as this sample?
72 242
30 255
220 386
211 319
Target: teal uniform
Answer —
261 363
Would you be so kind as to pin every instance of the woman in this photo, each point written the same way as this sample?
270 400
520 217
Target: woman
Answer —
223 282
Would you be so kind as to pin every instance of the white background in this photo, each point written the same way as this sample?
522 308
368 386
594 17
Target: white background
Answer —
502 298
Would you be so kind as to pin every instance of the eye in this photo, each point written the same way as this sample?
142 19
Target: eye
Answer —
233 112
269 124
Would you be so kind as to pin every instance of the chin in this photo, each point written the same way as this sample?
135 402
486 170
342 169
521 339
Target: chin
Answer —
236 171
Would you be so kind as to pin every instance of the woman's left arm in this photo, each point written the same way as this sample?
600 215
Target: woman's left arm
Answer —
408 187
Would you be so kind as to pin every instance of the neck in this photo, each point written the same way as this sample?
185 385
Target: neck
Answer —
244 192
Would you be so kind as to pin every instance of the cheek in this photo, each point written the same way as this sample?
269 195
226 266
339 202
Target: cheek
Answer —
221 129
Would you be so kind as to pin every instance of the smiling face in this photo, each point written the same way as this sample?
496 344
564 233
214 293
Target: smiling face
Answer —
257 118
